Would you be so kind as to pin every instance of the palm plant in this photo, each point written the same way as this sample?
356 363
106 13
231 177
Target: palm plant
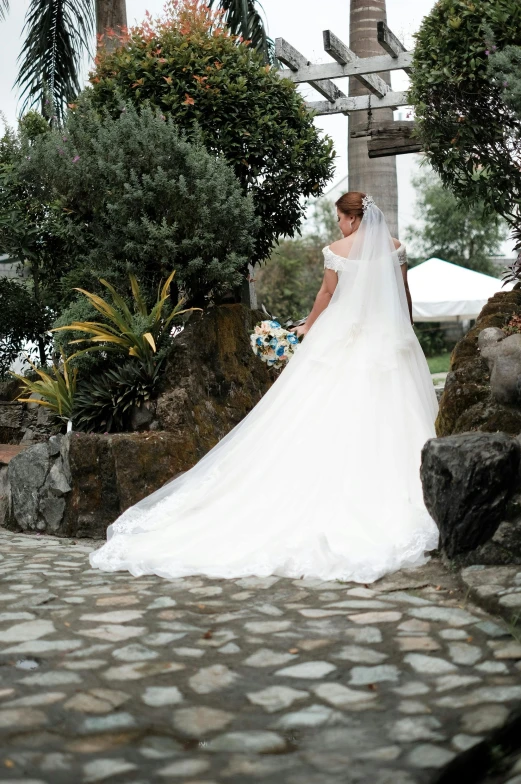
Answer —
243 18
59 35
55 392
137 334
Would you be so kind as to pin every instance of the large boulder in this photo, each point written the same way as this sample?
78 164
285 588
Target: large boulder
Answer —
473 400
468 482
76 485
212 380
503 357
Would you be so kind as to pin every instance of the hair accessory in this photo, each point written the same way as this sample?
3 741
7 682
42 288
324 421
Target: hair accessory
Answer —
367 201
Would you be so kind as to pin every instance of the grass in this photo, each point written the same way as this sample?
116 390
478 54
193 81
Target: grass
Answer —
440 363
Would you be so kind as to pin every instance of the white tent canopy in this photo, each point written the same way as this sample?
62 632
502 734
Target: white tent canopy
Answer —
442 291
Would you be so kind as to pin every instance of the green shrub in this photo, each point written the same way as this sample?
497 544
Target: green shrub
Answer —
470 130
431 338
195 72
135 196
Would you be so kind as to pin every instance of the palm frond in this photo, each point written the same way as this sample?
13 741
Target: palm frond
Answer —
58 34
243 18
4 8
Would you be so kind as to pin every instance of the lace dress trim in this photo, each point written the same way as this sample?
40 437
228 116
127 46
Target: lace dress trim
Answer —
339 263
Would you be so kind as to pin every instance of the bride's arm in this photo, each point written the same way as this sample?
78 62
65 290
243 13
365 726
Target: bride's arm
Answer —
322 300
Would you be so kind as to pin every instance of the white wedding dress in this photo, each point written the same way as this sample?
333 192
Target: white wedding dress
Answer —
321 479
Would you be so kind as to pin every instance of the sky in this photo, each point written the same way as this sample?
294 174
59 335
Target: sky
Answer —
300 22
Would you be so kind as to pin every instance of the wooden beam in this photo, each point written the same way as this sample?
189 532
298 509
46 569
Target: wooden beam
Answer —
343 55
295 61
389 42
359 104
363 65
393 138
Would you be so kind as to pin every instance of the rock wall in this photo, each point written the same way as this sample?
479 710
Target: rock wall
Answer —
76 485
468 402
212 379
22 422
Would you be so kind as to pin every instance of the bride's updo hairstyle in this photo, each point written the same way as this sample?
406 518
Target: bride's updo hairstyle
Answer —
351 203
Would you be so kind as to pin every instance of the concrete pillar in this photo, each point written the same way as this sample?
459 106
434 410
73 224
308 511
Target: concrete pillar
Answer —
376 176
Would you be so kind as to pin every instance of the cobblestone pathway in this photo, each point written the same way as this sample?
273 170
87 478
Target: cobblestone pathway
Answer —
111 678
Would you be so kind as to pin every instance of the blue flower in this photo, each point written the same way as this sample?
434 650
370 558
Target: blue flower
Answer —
291 338
274 324
259 341
274 342
280 351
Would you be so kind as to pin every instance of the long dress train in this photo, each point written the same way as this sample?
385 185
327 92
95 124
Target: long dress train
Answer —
322 477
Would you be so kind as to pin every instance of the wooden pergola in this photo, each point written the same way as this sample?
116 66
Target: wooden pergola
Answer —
393 138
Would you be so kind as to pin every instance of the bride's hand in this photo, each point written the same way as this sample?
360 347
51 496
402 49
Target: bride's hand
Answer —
300 331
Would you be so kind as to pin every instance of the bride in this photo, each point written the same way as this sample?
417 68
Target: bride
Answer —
321 479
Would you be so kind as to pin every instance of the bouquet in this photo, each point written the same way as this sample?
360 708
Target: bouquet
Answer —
273 344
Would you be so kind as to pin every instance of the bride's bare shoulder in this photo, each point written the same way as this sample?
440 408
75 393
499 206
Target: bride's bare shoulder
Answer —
341 247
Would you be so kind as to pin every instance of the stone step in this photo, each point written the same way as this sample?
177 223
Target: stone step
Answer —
8 451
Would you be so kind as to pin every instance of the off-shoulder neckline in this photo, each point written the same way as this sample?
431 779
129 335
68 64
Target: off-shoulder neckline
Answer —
346 258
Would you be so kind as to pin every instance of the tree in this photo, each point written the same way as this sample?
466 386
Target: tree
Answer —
58 37
504 68
288 283
29 234
469 127
134 196
464 234
21 322
193 70
243 19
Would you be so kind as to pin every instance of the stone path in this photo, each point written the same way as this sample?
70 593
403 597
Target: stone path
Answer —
199 681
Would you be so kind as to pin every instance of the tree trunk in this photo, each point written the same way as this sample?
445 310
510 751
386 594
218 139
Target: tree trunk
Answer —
36 288
376 176
110 15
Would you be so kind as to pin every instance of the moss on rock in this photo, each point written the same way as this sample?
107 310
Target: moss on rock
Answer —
212 379
467 403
